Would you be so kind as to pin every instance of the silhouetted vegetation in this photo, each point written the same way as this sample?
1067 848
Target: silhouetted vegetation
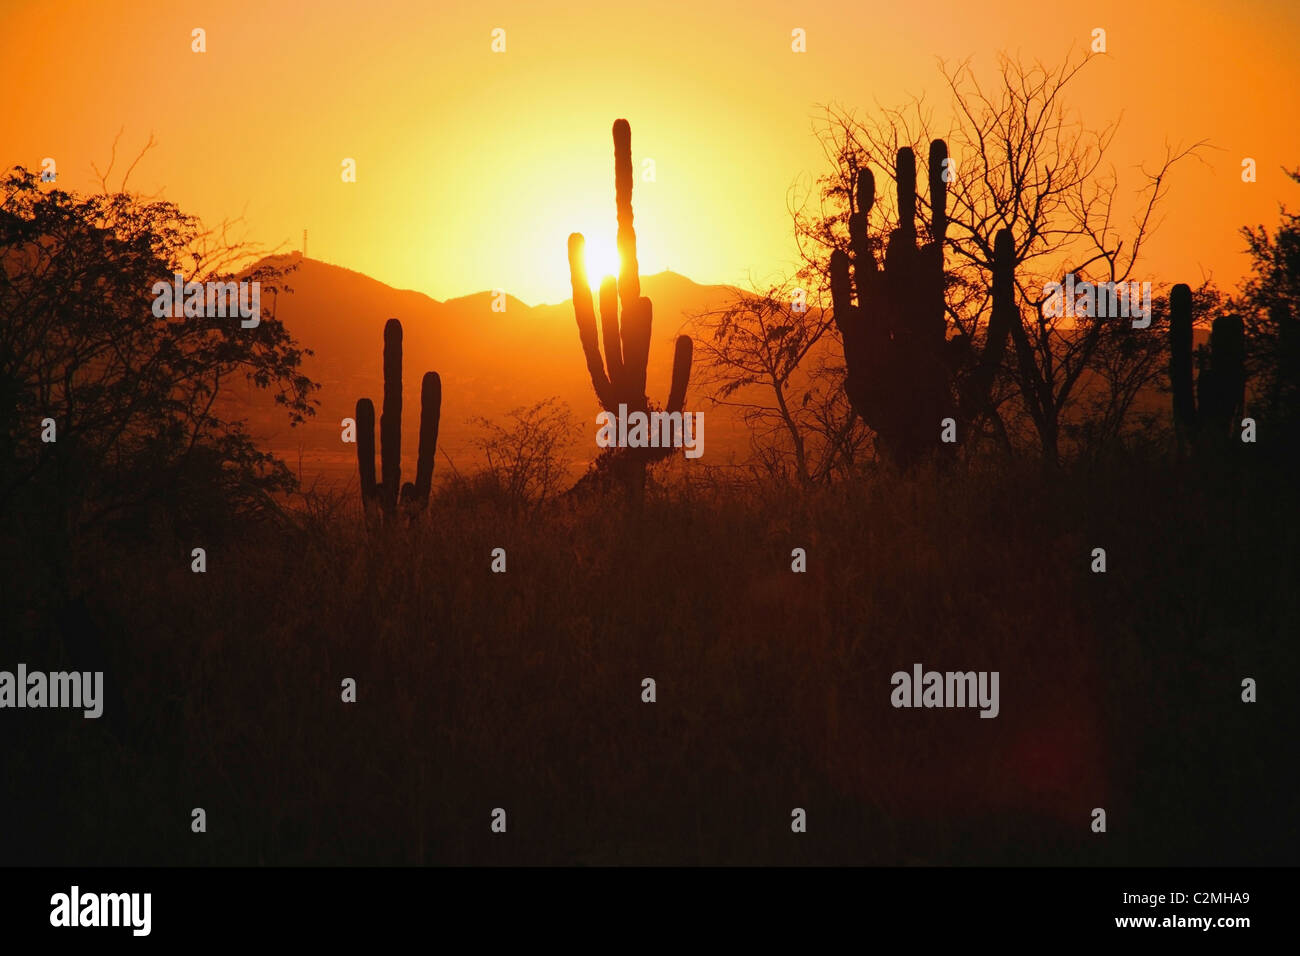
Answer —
767 354
620 378
1270 305
114 421
523 458
414 496
905 376
522 689
1211 417
1030 165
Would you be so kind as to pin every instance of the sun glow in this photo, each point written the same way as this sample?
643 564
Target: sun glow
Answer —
601 257
720 106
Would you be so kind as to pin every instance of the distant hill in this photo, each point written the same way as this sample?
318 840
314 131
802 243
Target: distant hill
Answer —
490 362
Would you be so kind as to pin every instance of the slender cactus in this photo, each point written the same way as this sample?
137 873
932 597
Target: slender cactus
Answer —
413 497
619 377
904 375
1207 409
1180 360
390 422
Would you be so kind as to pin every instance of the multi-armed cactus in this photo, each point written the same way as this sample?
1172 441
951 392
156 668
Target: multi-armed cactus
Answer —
903 375
620 377
414 496
1208 411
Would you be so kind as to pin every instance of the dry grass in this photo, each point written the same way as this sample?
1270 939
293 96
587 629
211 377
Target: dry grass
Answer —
522 690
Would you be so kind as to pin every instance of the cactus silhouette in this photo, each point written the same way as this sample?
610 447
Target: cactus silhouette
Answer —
619 378
904 375
414 496
1206 411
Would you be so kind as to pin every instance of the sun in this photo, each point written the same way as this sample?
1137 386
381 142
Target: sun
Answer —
601 257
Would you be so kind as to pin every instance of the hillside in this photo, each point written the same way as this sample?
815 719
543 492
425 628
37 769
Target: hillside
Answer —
490 362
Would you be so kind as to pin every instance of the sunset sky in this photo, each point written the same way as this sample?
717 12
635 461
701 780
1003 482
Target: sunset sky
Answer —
474 167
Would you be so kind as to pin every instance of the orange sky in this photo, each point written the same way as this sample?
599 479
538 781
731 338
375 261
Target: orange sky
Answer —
474 167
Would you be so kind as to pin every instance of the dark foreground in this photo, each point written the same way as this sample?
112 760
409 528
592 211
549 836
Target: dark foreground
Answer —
523 691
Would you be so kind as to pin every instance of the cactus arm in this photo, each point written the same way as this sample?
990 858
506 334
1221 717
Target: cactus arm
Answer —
841 289
1004 315
390 422
866 190
582 310
906 181
1180 356
980 384
629 275
430 415
865 267
609 327
681 373
365 418
938 192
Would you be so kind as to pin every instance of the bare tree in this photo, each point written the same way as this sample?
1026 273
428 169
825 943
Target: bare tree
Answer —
763 353
1022 160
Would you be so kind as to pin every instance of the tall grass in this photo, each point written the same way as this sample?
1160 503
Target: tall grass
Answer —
523 690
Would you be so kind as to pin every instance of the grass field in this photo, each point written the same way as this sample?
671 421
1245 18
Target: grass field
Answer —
522 690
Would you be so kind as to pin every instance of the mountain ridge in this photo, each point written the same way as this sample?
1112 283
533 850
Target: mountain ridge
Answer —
490 362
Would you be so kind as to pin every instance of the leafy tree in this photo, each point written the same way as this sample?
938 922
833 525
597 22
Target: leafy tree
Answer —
139 404
1269 303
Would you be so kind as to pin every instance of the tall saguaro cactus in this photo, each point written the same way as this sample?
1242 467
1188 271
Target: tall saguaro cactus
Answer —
619 378
904 376
1209 409
413 496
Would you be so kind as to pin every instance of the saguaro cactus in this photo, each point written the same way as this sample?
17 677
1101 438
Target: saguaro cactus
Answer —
904 375
1209 410
413 496
619 378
